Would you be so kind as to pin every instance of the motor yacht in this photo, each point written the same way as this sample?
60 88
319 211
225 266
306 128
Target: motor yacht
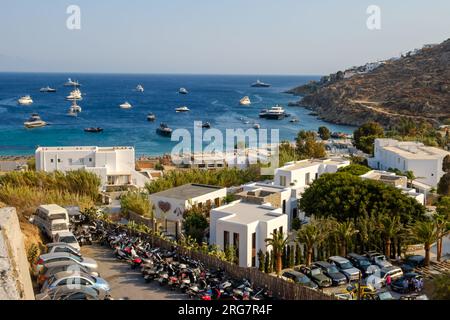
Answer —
245 101
164 130
93 130
139 88
274 113
151 117
71 83
74 95
260 84
182 109
25 100
34 121
183 91
47 89
125 105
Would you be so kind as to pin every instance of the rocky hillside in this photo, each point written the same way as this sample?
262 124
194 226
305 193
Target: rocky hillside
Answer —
415 86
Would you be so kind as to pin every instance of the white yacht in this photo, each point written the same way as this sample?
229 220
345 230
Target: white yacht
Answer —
182 109
75 107
183 91
47 89
75 95
25 100
139 88
276 113
34 121
71 83
260 84
245 101
125 105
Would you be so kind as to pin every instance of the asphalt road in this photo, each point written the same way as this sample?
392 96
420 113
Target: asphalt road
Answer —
127 283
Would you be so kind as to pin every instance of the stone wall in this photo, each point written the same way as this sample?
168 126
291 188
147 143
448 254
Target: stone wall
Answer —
15 280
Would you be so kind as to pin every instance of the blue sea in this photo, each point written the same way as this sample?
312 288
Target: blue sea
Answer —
212 98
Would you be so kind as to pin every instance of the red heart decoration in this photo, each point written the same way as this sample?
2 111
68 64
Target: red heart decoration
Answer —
164 206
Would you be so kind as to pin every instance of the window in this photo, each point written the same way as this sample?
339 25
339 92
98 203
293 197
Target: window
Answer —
307 178
70 161
281 230
284 206
217 202
59 160
226 239
283 181
51 160
274 231
294 213
90 159
317 175
236 245
254 249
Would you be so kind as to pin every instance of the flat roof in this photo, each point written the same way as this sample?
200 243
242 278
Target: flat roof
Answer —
414 150
187 191
245 213
311 163
83 148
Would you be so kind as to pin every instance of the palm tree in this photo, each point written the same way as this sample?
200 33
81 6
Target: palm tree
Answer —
312 234
442 221
344 232
278 242
425 232
390 227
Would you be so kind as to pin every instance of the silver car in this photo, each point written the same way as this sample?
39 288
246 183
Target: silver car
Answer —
89 263
80 293
346 267
52 268
55 247
75 280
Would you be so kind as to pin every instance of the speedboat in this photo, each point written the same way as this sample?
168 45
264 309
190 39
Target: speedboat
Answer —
139 88
164 130
274 113
125 105
25 100
93 130
71 83
34 121
151 117
182 109
294 119
206 125
245 101
74 95
183 91
256 126
47 89
260 84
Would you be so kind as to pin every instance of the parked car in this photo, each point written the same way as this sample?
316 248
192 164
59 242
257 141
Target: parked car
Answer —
384 295
394 272
316 274
332 272
300 278
414 297
404 284
55 247
71 279
67 237
412 262
79 293
378 259
64 256
52 268
362 263
356 290
51 219
346 267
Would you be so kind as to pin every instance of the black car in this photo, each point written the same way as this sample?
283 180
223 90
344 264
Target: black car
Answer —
332 272
410 282
316 275
362 263
413 262
300 278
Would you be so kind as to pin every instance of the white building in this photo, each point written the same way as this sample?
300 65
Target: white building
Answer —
170 205
245 226
400 182
425 162
114 165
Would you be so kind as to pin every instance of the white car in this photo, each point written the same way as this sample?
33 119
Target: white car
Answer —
67 237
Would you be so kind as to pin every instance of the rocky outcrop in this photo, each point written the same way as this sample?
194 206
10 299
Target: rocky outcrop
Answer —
415 86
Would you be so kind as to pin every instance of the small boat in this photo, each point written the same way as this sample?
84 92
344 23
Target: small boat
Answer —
125 105
274 113
206 125
245 101
75 107
182 109
164 130
47 89
151 117
183 91
25 100
71 83
139 88
294 119
74 95
260 84
34 121
93 130
256 126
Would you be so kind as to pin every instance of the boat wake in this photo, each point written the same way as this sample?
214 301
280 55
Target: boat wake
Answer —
260 99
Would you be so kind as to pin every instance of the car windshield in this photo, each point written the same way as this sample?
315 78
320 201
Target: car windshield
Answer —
68 239
303 279
385 295
364 263
346 265
58 216
332 269
59 226
380 258
315 271
77 258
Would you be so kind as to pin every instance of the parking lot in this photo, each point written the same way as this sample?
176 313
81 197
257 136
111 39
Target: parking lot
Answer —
126 283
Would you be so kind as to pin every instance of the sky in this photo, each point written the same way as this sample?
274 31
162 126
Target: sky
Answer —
295 37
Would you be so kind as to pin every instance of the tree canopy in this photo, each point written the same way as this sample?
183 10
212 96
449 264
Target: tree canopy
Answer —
444 185
307 147
365 136
324 133
355 169
344 196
